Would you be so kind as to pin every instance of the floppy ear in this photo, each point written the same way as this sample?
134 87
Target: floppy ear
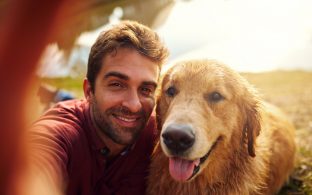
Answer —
252 126
251 108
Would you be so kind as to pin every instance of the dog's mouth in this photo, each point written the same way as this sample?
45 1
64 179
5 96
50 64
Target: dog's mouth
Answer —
184 170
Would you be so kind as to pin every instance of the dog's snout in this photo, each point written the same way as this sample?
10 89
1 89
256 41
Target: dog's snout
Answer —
178 138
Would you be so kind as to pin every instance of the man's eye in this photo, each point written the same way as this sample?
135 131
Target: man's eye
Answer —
115 85
147 91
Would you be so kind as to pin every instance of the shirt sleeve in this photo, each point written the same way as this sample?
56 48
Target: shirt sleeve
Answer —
49 155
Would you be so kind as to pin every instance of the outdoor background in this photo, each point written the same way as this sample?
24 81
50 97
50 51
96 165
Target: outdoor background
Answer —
268 41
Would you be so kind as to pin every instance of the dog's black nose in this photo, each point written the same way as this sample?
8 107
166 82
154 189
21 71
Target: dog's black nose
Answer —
178 138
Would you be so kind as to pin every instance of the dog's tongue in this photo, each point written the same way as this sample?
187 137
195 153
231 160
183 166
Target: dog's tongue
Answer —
181 169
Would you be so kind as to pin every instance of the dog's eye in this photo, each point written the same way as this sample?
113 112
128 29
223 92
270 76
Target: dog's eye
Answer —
171 91
215 97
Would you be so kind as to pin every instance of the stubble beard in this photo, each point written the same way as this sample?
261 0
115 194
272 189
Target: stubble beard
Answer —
113 130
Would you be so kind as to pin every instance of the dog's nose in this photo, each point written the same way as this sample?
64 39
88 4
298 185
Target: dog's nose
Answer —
178 138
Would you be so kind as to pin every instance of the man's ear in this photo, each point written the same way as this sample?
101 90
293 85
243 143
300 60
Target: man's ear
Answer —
87 89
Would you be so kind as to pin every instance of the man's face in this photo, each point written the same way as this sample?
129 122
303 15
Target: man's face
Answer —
123 97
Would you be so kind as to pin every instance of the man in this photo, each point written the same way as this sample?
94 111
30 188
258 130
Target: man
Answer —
102 145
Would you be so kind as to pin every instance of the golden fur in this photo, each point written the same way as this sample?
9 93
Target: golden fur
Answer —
254 150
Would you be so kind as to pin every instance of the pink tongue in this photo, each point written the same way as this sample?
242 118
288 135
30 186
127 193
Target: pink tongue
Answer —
181 169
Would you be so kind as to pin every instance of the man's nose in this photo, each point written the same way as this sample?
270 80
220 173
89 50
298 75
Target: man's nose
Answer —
132 102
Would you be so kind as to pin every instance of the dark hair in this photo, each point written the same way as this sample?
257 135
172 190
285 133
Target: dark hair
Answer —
127 34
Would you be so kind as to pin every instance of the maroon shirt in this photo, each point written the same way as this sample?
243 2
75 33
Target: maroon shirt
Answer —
67 146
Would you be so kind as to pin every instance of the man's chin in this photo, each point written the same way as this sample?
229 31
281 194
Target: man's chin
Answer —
123 135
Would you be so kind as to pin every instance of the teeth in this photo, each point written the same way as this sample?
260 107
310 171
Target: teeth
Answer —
126 119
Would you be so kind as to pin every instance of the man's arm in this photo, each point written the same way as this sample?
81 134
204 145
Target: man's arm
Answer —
47 161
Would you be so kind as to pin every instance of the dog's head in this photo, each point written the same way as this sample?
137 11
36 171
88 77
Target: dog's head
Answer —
202 107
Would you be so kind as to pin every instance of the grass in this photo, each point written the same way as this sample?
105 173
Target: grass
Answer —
292 92
74 85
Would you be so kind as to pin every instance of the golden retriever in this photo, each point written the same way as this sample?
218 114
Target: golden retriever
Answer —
217 136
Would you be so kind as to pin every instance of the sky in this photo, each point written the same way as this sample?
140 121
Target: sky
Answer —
248 35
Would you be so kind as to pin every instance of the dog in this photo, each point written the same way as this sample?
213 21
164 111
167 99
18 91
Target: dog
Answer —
217 136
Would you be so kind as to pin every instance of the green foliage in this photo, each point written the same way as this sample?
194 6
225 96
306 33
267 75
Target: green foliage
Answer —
73 85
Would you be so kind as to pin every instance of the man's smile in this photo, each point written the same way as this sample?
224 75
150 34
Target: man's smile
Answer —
127 121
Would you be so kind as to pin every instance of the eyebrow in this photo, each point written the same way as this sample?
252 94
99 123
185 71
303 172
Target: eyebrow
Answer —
152 83
126 78
116 74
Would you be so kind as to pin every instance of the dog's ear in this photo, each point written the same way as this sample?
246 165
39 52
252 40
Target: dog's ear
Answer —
252 128
250 104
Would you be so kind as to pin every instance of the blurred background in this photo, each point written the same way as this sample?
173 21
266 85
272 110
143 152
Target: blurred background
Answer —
268 41
250 36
